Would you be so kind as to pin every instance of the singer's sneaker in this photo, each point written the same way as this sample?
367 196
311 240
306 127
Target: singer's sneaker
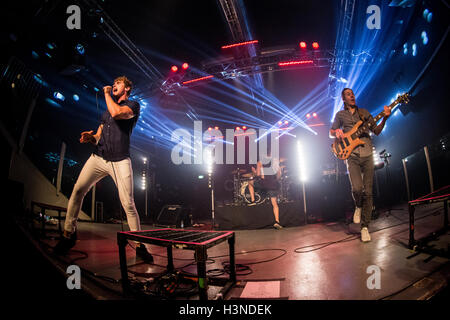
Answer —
357 215
66 243
365 236
277 225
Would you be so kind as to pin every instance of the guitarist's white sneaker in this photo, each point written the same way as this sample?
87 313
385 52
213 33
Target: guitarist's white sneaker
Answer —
357 215
365 236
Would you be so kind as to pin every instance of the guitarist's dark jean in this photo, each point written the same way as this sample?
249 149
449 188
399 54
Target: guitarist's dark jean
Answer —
361 170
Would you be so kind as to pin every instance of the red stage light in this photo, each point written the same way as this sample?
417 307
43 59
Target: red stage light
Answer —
185 66
209 129
293 63
303 45
240 44
308 115
216 128
244 127
237 128
198 79
174 68
315 45
314 114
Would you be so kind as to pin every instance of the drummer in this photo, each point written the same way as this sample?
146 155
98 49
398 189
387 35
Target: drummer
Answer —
248 172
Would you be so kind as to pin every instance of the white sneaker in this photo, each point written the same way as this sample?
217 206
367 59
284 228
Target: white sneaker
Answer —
357 215
365 236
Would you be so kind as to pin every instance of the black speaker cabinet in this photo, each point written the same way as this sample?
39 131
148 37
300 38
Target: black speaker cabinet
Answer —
173 216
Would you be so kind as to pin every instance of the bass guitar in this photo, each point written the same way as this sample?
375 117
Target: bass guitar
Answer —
342 148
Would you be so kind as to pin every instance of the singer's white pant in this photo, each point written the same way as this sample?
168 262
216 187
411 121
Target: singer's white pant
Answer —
95 169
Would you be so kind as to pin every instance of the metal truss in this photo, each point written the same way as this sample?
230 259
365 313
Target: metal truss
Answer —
118 37
268 61
343 36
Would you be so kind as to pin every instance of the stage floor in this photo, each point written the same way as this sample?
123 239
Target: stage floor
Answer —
331 264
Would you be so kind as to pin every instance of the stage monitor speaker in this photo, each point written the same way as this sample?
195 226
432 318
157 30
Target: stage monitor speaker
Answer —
173 216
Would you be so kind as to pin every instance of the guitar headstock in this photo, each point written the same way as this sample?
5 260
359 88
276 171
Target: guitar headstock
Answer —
403 98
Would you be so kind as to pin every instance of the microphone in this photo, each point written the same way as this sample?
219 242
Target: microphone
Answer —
384 150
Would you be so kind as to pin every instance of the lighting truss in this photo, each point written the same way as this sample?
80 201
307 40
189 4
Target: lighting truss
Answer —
271 60
342 39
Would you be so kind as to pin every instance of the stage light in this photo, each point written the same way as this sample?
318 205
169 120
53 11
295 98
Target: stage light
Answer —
240 44
53 103
198 79
96 89
430 17
314 114
58 96
286 122
414 49
301 162
425 13
144 159
34 55
208 160
48 55
315 45
76 97
424 37
293 63
244 127
343 80
280 123
200 176
209 129
185 66
308 115
51 46
80 48
237 128
174 68
302 45
378 163
216 128
405 48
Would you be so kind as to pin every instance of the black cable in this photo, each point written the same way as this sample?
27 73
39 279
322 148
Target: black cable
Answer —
412 284
355 237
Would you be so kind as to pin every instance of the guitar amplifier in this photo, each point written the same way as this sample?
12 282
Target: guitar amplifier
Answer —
174 216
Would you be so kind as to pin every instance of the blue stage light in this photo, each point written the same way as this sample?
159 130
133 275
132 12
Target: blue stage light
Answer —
414 49
80 48
53 103
58 96
76 97
425 13
424 37
430 17
51 46
34 54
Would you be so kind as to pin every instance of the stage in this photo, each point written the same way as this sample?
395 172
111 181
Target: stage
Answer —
258 216
322 261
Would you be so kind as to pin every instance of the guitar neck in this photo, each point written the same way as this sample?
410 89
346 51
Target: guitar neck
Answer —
381 114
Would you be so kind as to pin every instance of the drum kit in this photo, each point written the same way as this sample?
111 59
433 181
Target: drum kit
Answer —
242 179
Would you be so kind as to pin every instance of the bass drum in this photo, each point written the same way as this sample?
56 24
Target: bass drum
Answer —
245 194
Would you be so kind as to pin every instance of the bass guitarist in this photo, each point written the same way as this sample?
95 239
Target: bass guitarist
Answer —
360 164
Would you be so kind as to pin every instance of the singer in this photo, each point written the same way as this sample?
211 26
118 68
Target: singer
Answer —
111 157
